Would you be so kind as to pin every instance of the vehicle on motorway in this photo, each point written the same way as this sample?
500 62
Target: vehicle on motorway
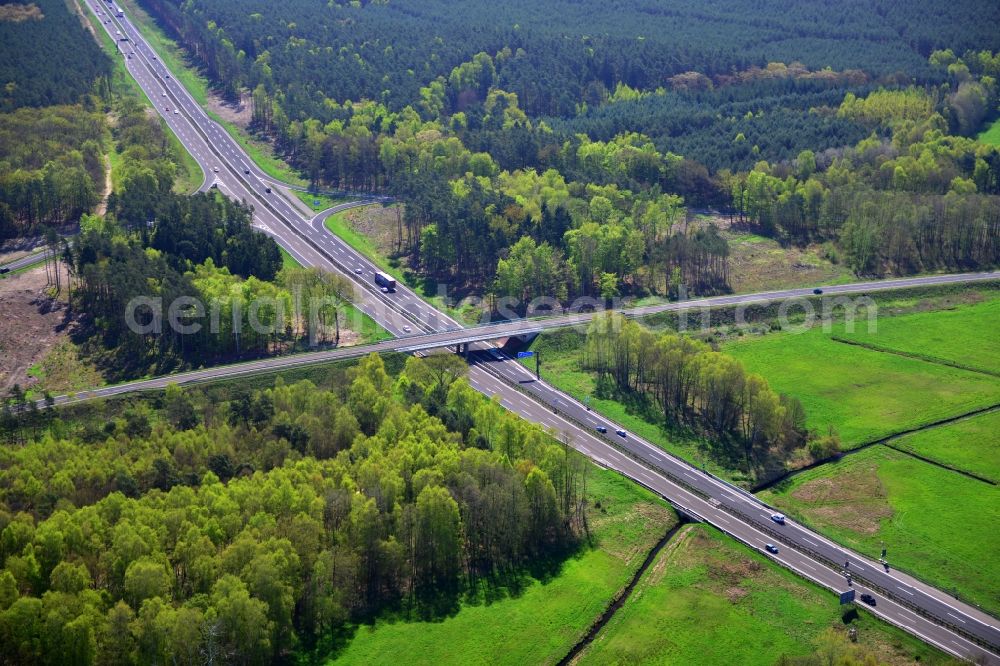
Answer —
407 329
357 271
176 112
817 291
246 171
771 548
215 169
496 354
386 281
163 94
267 189
778 518
621 433
4 269
602 429
153 56
868 599
214 185
166 76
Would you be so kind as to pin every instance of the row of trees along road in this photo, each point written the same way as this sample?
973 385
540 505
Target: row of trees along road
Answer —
693 386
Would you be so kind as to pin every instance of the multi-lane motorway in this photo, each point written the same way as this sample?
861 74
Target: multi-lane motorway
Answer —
956 628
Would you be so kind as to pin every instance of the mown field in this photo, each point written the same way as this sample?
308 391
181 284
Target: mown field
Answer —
971 445
709 600
934 522
542 622
964 335
861 393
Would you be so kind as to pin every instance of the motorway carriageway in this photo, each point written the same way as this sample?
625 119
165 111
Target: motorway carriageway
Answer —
694 493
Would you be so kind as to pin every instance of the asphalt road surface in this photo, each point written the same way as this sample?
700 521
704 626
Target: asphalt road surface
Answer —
28 260
923 610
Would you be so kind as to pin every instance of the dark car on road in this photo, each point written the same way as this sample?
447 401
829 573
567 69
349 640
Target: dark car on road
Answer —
868 599
771 548
621 433
601 429
817 291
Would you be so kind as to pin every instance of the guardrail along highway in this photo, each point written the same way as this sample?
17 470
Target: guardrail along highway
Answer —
920 609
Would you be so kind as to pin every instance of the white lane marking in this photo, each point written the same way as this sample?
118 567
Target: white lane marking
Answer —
957 618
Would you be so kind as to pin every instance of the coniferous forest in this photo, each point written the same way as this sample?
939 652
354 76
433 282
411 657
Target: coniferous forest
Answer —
557 149
569 139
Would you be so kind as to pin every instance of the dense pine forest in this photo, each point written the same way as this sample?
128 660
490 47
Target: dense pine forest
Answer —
48 58
539 150
53 134
553 148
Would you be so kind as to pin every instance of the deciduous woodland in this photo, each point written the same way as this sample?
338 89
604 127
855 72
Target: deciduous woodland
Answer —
555 148
250 524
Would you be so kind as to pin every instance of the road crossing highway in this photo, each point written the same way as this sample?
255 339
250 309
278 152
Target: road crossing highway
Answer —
921 609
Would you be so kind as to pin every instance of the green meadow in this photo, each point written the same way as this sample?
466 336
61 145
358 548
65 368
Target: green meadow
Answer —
971 445
964 335
540 623
707 599
935 522
862 393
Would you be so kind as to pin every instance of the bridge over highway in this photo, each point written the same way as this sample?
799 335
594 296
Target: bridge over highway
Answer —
936 617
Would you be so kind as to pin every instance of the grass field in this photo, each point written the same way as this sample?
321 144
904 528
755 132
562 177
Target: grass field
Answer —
971 445
287 260
935 522
758 263
542 623
992 134
709 600
965 335
62 370
862 393
324 200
